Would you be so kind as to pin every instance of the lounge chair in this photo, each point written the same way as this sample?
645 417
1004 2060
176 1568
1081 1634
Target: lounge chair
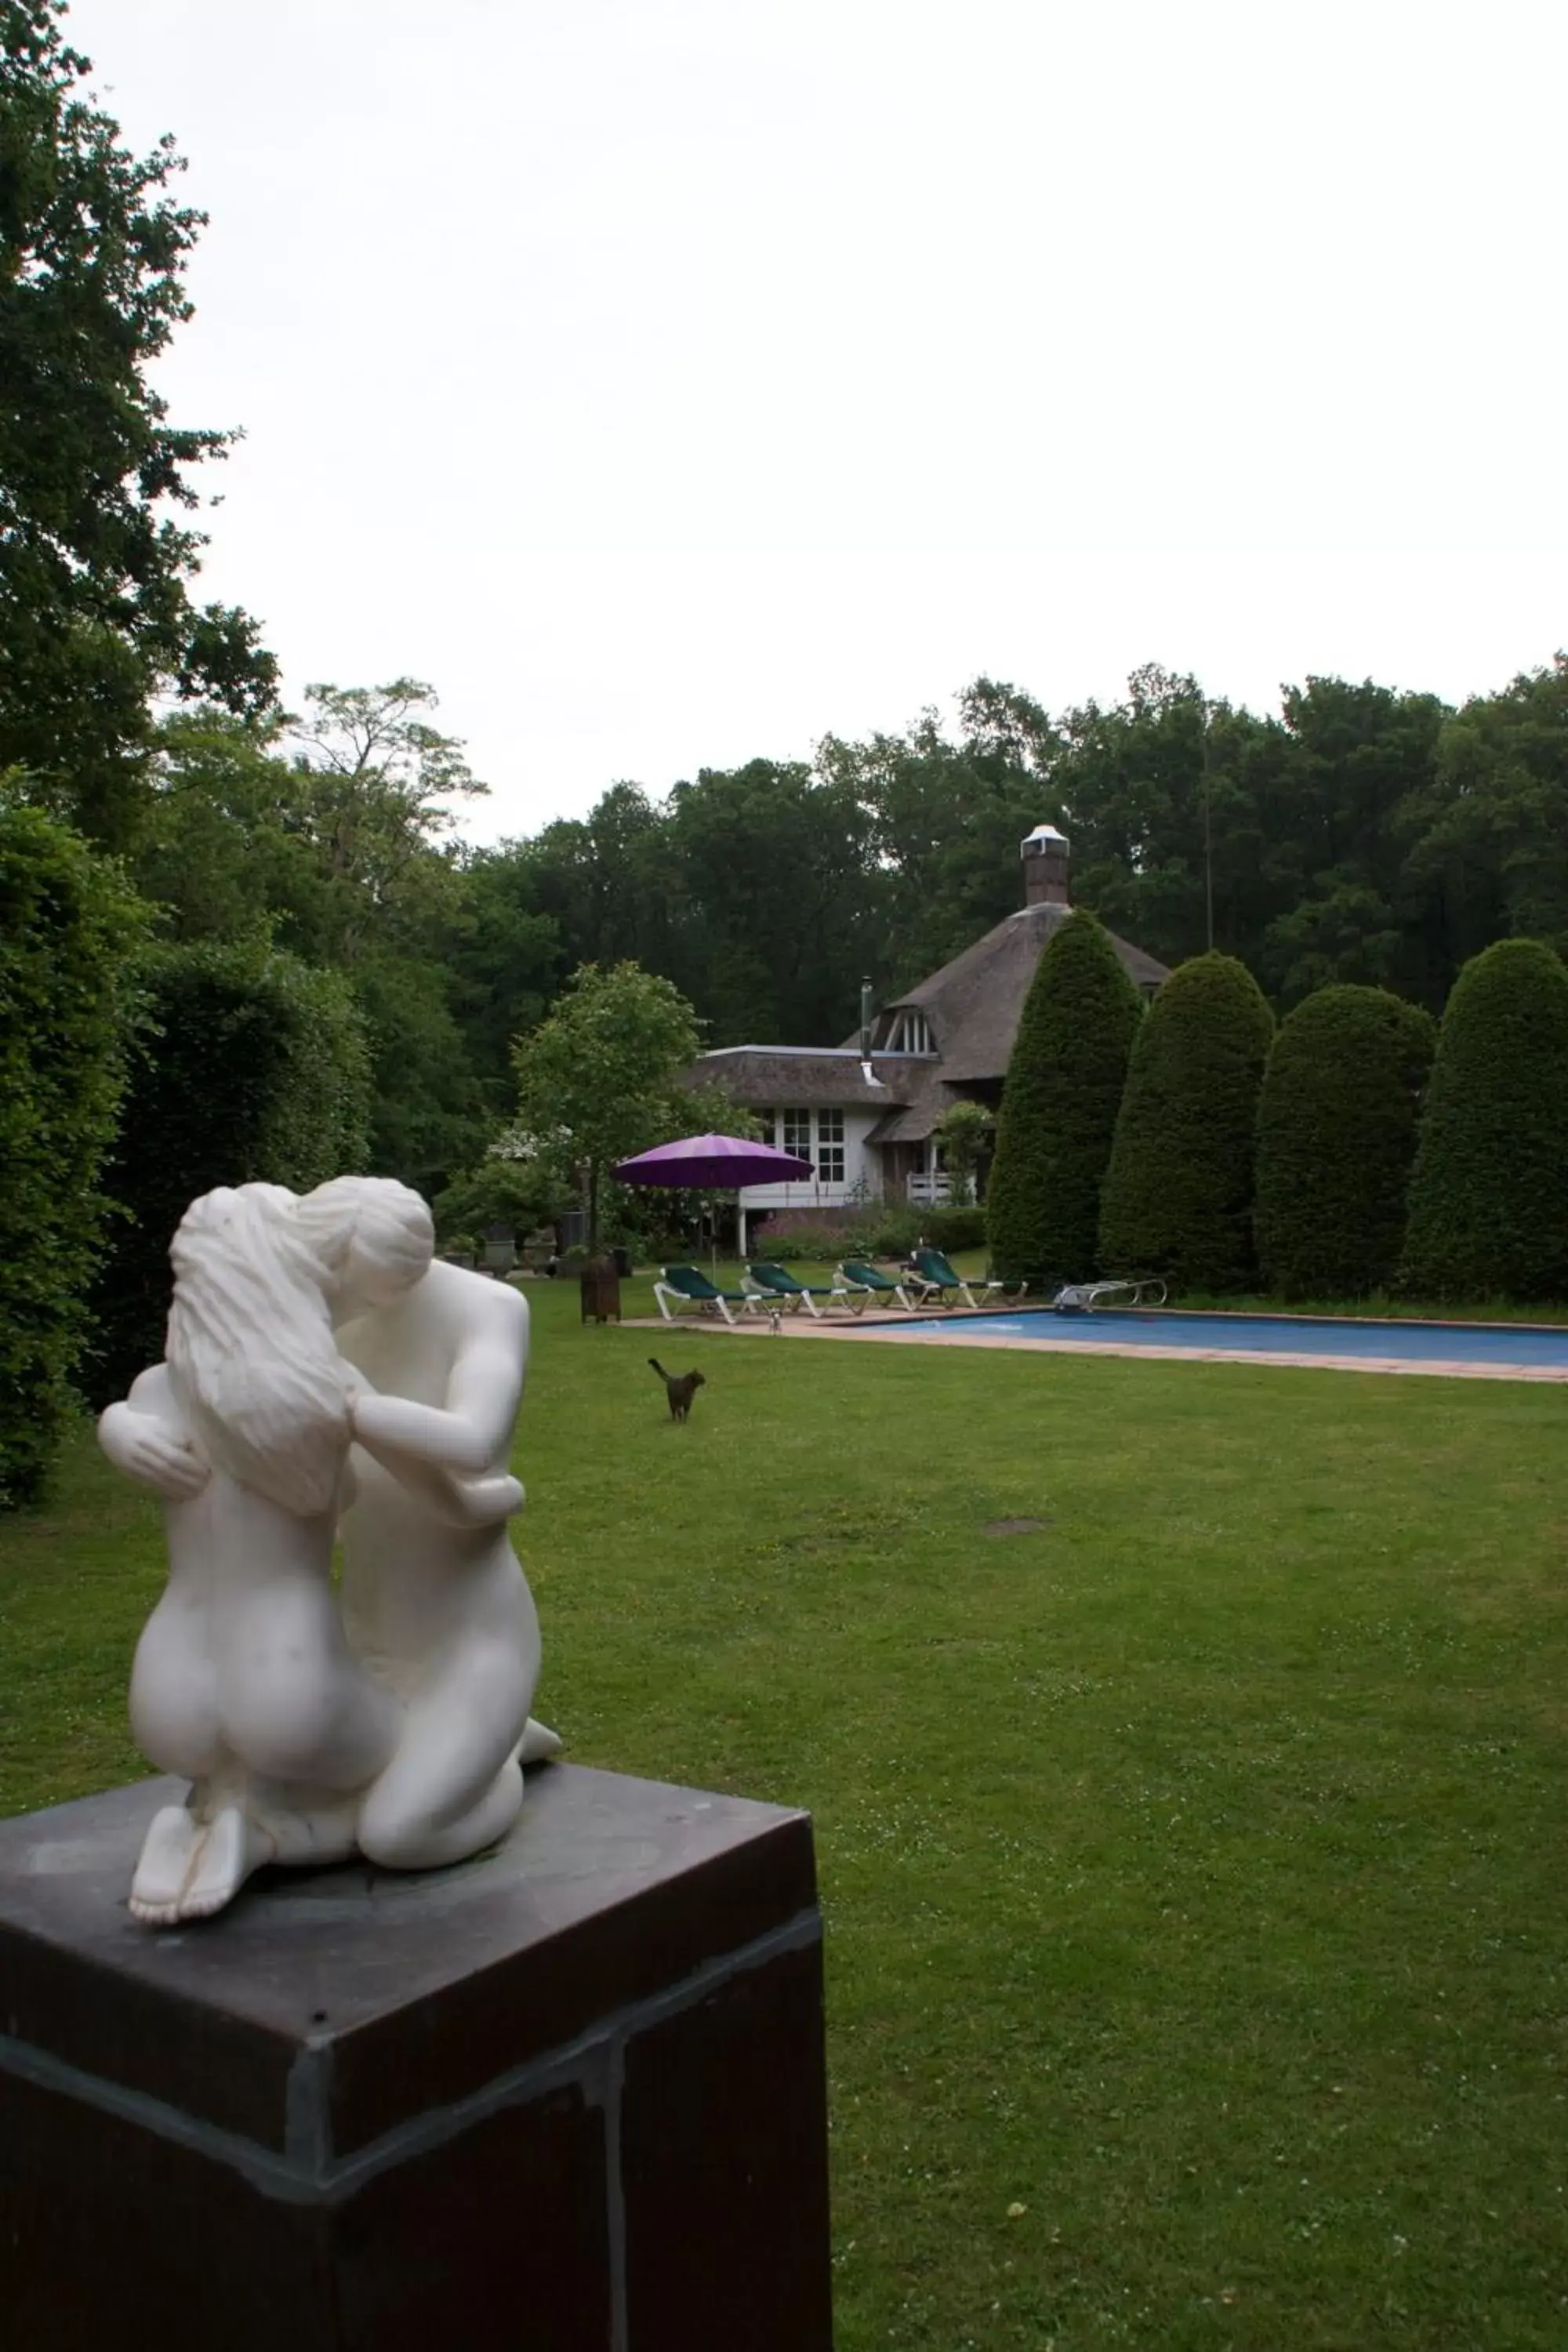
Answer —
932 1268
775 1285
688 1286
857 1285
1084 1297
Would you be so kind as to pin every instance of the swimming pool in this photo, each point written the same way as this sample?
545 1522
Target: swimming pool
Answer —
1502 1350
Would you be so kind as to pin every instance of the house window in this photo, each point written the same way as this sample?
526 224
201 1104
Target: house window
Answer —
912 1035
764 1119
830 1146
796 1133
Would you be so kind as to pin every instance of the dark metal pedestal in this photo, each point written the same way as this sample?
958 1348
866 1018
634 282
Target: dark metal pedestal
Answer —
568 2096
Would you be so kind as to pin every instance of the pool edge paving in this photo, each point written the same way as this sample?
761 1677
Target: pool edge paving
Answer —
965 1335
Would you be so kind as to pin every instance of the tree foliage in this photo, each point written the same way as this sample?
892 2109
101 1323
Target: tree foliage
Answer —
596 1081
95 611
962 1135
1489 1198
253 1068
1060 1105
1177 1200
1336 1140
68 928
501 1191
340 853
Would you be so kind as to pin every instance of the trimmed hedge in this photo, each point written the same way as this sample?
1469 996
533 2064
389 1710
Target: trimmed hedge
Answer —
1060 1105
1178 1193
68 926
256 1069
1489 1198
1336 1139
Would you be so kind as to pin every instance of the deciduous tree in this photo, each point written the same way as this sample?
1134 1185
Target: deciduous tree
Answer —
595 1080
95 570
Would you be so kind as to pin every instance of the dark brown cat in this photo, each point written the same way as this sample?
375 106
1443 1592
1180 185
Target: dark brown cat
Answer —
680 1388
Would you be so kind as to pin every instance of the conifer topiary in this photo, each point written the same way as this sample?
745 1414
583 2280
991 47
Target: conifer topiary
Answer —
1489 1198
1336 1137
1178 1193
1058 1111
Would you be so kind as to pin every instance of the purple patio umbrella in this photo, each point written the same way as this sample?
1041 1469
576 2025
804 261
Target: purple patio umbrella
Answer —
712 1163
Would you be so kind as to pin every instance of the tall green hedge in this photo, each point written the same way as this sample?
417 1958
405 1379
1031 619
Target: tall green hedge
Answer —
1336 1137
1488 1199
1058 1111
1178 1193
68 928
255 1069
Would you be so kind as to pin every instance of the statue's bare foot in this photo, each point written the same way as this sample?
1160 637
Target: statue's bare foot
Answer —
167 1853
538 1743
228 1851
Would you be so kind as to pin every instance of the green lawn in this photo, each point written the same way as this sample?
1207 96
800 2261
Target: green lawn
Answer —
1194 1868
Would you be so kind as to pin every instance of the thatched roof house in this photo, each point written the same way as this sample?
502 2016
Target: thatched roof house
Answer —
864 1112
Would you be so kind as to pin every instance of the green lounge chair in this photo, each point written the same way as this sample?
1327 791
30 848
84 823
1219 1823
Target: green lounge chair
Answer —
858 1284
932 1268
775 1285
688 1286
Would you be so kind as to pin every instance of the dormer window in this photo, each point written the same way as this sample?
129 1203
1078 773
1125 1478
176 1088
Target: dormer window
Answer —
911 1033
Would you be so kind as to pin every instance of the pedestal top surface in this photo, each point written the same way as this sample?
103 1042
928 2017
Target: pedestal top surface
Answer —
404 1989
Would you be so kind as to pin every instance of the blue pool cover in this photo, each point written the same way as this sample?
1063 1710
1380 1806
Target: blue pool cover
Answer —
1268 1335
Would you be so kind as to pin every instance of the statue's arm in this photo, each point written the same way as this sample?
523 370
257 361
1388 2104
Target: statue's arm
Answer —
144 1439
471 1432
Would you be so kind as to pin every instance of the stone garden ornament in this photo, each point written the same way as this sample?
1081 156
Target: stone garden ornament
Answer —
326 1378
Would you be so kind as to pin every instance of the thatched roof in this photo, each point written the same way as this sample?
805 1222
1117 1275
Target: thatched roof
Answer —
972 1004
788 1077
975 1003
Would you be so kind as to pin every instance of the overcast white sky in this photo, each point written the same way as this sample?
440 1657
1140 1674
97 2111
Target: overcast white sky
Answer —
671 382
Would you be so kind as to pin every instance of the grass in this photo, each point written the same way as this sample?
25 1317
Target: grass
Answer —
1193 1867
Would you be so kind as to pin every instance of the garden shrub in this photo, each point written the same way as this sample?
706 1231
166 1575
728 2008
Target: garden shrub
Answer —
68 928
956 1226
888 1229
1336 1137
1059 1105
1489 1196
803 1242
255 1069
498 1191
1177 1200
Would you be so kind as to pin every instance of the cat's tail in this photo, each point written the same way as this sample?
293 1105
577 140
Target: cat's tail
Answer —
659 1368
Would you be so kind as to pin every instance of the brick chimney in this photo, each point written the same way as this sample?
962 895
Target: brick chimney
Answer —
1044 856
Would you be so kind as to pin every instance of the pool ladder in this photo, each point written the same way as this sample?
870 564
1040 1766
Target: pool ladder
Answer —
1083 1297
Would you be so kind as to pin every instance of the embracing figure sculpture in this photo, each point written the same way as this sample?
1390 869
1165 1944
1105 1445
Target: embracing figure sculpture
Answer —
326 1376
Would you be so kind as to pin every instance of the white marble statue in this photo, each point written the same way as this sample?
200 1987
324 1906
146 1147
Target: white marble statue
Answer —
323 1366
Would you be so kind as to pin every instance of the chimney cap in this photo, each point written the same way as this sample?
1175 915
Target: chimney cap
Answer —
1044 836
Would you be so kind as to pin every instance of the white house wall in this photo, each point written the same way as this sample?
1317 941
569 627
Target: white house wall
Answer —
862 1177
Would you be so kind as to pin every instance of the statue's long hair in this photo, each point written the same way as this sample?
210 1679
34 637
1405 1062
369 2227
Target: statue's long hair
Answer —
250 1349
